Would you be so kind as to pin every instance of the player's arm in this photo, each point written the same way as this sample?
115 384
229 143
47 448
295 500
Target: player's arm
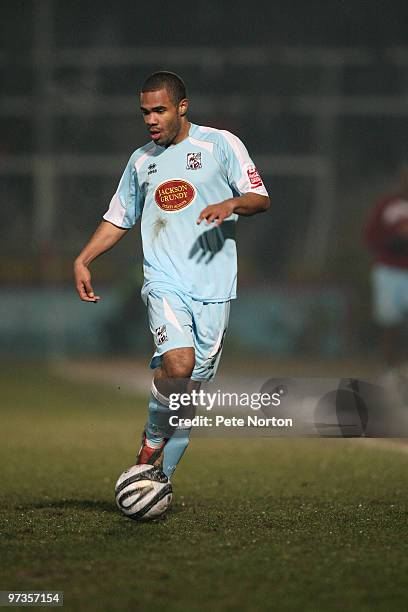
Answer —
106 236
243 179
247 204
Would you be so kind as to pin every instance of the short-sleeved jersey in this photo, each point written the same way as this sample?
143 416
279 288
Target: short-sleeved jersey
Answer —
168 188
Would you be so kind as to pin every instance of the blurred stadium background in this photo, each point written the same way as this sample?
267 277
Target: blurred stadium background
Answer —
317 91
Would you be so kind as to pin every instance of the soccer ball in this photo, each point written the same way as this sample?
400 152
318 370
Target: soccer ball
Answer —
143 492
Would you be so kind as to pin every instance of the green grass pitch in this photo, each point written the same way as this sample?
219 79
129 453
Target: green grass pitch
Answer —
259 524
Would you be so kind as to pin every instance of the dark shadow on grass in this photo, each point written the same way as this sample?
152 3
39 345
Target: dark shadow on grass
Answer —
77 504
90 505
57 508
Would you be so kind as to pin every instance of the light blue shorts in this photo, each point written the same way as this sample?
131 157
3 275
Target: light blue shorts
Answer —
177 321
390 287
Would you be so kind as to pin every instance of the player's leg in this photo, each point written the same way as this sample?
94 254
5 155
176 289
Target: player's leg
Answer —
210 322
390 287
210 328
175 377
170 321
171 377
388 310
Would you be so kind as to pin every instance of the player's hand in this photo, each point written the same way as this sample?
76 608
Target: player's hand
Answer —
83 283
216 213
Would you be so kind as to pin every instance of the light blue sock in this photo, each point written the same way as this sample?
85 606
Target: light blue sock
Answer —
157 427
174 450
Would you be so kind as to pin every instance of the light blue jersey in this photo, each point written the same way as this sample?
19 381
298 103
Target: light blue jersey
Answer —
168 188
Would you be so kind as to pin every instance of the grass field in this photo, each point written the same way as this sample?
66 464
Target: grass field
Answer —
259 524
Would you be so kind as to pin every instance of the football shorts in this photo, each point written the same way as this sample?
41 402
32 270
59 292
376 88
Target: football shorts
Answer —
177 321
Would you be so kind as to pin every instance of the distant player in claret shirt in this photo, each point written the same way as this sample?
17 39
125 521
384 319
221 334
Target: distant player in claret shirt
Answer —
387 236
189 184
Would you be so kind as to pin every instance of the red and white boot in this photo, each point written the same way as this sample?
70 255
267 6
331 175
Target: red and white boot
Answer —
151 455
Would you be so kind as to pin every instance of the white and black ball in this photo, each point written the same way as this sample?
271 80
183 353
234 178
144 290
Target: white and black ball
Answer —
143 492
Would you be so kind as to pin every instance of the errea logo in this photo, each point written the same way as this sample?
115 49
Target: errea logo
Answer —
152 168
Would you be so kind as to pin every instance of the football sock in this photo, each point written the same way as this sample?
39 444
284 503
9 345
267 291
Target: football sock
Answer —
174 449
157 427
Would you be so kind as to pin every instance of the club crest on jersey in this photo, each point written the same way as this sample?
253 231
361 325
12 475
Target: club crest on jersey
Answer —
161 334
174 195
194 161
254 177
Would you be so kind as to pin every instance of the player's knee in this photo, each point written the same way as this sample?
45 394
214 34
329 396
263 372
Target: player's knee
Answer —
179 370
179 365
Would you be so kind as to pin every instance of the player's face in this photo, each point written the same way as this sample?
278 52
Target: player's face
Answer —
164 119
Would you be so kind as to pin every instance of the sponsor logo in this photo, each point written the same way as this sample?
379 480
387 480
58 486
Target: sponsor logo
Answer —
161 334
174 195
254 177
194 161
152 168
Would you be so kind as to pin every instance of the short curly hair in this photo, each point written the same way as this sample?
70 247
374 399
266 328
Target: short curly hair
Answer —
168 80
